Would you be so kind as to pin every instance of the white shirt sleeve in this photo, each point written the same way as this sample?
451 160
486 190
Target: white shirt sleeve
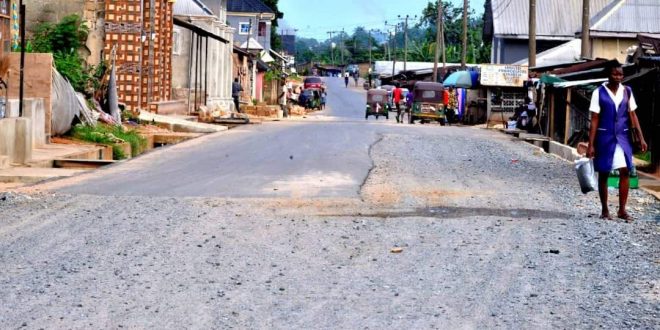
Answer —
595 101
633 103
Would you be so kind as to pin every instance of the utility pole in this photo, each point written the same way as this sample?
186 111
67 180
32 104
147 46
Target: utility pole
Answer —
405 44
437 41
332 49
586 50
465 33
532 33
370 46
392 48
21 87
341 48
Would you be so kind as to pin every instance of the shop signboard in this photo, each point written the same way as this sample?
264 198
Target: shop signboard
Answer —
504 75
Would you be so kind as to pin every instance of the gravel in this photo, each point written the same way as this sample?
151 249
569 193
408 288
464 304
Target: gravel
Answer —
453 228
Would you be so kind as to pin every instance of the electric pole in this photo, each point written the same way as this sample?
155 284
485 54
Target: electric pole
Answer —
370 46
585 29
392 40
332 49
405 43
532 33
465 34
341 48
438 24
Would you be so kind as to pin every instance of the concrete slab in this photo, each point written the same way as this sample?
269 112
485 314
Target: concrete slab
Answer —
180 124
44 156
30 175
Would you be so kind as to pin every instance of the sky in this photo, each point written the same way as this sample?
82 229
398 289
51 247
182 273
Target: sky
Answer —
314 18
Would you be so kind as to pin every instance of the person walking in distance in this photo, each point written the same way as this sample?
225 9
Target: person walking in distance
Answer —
236 90
283 100
346 76
396 99
613 117
356 77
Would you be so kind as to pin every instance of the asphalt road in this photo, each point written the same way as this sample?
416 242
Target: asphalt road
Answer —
328 222
324 155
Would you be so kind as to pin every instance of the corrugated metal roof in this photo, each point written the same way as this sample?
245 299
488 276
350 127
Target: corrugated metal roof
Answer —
247 6
555 18
191 8
629 16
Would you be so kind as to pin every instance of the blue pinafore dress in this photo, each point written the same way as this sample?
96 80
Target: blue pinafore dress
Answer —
613 130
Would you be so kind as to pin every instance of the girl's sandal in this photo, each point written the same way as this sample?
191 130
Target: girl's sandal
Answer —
606 216
625 217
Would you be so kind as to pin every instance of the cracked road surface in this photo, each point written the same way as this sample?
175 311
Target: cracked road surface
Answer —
296 224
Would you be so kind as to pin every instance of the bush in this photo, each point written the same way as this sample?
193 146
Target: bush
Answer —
64 39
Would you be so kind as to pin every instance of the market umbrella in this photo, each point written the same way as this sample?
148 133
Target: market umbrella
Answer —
462 79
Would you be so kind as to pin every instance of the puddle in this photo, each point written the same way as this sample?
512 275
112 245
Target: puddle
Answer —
465 212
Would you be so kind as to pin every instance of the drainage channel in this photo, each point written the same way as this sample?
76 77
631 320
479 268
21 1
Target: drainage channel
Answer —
463 212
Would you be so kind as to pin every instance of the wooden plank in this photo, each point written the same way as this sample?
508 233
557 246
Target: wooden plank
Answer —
567 128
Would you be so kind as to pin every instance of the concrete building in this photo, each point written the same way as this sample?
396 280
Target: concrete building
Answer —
202 76
251 19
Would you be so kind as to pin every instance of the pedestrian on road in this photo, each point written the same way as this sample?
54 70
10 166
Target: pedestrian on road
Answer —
409 104
396 98
613 117
356 76
346 76
452 105
369 77
324 97
236 90
283 100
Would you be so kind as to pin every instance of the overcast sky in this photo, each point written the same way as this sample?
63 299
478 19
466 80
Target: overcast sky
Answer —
314 18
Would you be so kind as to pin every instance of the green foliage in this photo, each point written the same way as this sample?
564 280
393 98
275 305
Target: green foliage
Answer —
64 39
66 36
113 136
421 40
273 74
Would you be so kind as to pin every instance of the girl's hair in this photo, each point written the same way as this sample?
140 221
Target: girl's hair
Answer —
609 66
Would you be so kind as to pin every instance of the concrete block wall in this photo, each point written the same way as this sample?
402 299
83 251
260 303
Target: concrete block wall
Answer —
35 110
16 140
564 151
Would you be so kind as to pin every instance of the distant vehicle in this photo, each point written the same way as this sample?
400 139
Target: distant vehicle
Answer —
313 82
390 103
376 101
310 99
427 103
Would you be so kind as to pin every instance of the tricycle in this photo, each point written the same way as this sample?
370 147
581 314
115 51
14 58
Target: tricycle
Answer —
427 103
376 101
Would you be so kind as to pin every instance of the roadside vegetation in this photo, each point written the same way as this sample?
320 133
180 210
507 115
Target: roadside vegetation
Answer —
111 135
64 40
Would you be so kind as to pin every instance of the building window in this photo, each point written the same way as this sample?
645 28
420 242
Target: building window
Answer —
177 41
244 28
262 29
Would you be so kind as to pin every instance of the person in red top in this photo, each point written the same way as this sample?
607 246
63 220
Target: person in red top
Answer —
396 98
